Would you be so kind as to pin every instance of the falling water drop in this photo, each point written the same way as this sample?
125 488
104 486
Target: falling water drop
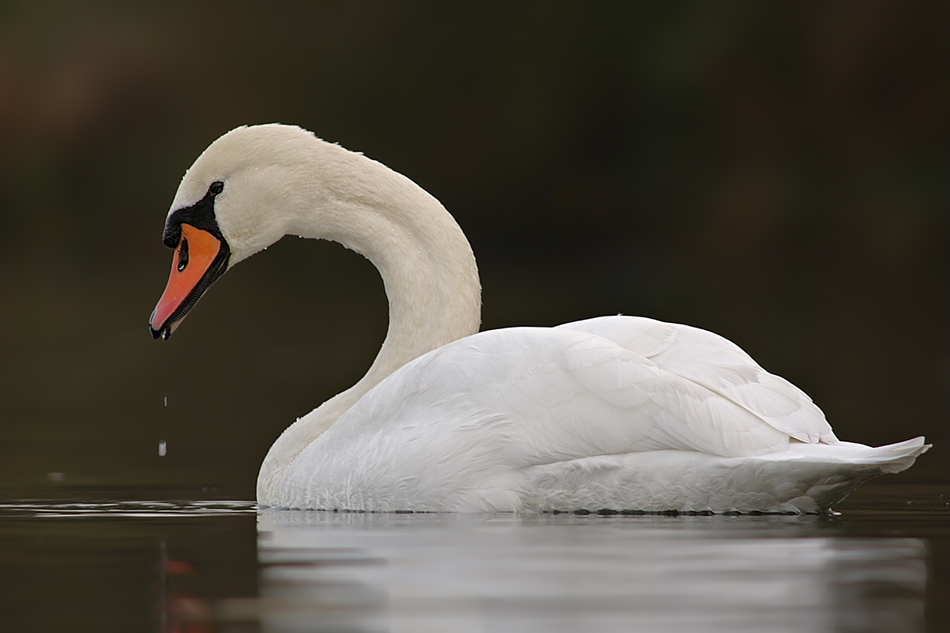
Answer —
162 448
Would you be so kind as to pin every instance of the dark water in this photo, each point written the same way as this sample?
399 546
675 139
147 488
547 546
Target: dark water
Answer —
197 566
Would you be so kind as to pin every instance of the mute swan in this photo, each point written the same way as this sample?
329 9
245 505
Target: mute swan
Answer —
611 413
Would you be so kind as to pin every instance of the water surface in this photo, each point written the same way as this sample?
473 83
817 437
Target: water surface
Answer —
147 565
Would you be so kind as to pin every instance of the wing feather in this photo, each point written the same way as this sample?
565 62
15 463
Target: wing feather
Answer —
719 365
455 420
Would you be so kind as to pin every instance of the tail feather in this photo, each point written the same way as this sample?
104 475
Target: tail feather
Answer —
894 458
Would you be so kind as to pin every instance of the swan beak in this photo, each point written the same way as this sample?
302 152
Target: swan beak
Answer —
200 258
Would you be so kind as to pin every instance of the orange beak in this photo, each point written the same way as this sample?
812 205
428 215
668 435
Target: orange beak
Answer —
200 258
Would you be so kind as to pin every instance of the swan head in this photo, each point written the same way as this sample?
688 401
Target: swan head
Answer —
235 200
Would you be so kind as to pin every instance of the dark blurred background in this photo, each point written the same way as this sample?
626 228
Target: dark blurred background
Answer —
776 172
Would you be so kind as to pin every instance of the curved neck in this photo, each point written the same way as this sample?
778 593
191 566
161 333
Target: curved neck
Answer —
426 264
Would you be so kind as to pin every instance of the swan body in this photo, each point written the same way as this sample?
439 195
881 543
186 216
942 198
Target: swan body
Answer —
611 413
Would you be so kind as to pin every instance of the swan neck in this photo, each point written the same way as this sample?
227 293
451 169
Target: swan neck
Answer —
428 271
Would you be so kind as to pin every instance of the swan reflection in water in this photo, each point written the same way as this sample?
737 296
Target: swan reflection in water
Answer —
351 571
231 567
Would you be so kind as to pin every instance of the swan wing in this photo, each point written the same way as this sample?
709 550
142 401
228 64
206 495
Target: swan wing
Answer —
719 365
522 397
587 395
499 402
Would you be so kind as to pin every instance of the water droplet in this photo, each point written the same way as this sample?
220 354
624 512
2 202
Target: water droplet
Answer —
162 448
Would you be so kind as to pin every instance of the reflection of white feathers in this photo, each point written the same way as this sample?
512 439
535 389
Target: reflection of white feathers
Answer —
609 413
566 573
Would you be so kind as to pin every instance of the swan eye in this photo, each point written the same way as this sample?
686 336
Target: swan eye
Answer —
216 187
183 255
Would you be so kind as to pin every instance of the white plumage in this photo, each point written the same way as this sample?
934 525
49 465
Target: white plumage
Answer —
564 418
615 413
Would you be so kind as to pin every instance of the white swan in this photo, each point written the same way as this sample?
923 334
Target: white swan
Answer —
612 413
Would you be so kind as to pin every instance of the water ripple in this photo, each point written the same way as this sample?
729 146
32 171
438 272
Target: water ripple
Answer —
137 509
